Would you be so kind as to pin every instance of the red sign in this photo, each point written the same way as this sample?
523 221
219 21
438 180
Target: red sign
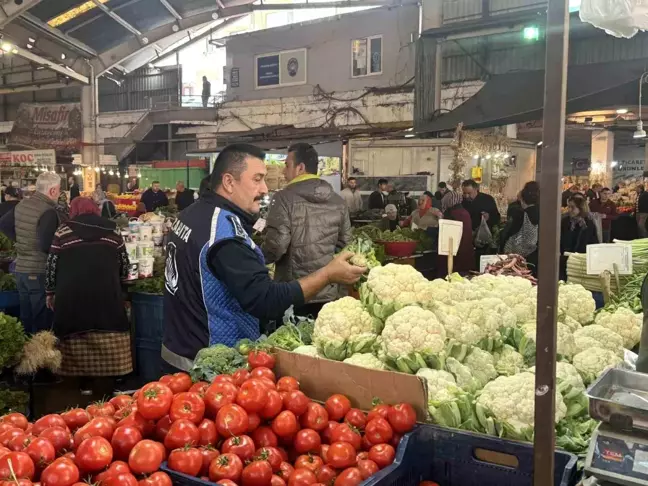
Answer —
29 157
57 126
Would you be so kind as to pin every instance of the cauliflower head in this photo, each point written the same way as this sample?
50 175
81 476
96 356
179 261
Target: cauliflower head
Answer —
510 402
565 344
624 322
366 360
593 361
441 384
508 361
481 365
344 328
570 322
568 378
577 302
413 338
459 327
598 336
447 404
393 287
465 379
308 350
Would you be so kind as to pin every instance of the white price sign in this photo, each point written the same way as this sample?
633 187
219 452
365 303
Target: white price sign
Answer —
605 256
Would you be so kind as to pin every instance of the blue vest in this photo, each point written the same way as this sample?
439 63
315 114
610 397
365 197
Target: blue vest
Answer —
226 319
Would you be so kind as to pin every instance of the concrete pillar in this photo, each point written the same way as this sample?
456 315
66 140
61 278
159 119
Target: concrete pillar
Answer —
602 157
89 114
431 17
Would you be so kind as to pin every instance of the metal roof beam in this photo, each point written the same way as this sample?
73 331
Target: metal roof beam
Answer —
171 10
11 10
35 22
51 84
248 8
117 18
47 64
98 16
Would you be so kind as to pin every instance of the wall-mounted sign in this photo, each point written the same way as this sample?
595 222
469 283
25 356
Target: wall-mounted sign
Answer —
234 77
628 169
29 157
285 68
55 126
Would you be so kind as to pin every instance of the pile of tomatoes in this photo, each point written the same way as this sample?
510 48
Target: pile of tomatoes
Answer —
247 429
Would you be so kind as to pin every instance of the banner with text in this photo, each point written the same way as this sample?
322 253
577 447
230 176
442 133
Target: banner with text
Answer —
627 169
57 126
29 158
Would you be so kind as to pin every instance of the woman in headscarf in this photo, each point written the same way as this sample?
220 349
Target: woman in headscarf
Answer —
85 268
425 216
464 260
106 206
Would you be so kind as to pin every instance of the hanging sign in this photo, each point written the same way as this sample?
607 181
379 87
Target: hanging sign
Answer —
29 157
57 126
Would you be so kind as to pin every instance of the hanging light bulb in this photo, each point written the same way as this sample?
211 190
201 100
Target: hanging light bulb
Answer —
139 174
97 170
125 175
111 172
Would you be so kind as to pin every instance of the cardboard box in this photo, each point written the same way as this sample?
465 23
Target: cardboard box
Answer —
320 378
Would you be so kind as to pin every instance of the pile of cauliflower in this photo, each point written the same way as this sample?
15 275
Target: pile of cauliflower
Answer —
473 343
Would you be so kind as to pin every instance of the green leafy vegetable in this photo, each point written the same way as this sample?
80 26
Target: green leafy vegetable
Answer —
7 282
12 340
153 285
216 360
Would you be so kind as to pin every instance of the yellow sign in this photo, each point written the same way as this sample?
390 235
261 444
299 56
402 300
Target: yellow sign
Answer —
476 174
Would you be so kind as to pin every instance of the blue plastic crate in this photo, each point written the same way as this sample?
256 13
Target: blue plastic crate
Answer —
148 316
448 457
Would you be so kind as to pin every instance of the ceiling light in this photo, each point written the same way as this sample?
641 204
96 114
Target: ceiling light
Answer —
622 111
488 157
139 174
15 51
614 163
111 172
476 156
175 28
7 47
32 40
151 66
29 46
640 133
63 56
410 135
540 143
97 169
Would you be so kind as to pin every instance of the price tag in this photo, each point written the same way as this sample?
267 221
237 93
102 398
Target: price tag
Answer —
449 229
605 256
486 260
259 225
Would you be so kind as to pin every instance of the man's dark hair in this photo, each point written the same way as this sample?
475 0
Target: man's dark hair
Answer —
351 179
382 181
155 182
429 194
305 154
231 160
531 192
443 185
471 183
12 192
605 189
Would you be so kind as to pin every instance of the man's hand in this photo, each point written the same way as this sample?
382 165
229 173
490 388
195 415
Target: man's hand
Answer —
340 271
50 302
485 215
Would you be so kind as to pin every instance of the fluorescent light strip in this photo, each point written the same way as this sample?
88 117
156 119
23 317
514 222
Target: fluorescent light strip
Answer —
73 13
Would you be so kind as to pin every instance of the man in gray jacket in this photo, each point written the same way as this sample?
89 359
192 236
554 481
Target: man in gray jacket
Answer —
307 223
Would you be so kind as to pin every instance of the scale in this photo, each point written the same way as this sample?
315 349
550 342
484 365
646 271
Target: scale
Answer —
618 451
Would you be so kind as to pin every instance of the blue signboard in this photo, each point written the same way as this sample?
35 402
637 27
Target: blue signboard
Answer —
268 70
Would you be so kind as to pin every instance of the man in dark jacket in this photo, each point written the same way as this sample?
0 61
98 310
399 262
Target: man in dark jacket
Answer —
307 223
74 188
11 200
154 198
184 196
479 205
217 284
378 198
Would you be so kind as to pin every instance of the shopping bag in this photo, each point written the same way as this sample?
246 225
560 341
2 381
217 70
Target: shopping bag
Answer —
483 236
598 224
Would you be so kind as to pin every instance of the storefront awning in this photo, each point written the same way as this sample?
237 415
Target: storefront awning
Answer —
519 97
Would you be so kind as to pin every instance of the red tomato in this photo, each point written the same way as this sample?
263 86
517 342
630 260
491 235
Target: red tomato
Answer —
94 454
97 427
257 473
382 454
5 427
187 461
154 401
116 467
277 481
273 405
323 452
396 440
308 461
223 379
251 396
41 451
307 440
265 437
356 418
218 395
378 431
285 470
226 466
231 420
257 359
328 431
287 383
242 446
48 421
18 441
366 445
156 479
316 417
189 406
199 387
367 468
208 454
3 451
162 428
362 456
402 417
9 435
302 477
341 455
120 479
272 455
62 472
121 401
263 372
18 463
123 441
337 407
16 419
296 402
344 433
146 457
182 433
135 419
101 409
208 435
349 477
266 382
240 376
75 418
285 424
226 482
61 439
381 410
179 382
325 474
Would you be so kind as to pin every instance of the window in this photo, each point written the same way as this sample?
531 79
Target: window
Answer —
366 56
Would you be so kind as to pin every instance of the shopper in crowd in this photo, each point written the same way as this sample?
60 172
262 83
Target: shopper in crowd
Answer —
569 192
85 267
154 198
594 192
306 224
642 210
62 205
217 284
479 205
378 198
441 190
389 221
184 197
352 196
206 91
11 199
520 235
464 260
106 207
74 188
425 216
577 230
607 209
32 225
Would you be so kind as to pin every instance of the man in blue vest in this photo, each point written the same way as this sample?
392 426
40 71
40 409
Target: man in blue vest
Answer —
217 284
